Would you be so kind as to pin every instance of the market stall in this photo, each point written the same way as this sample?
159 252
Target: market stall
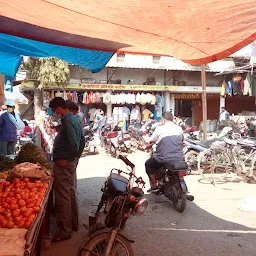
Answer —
25 186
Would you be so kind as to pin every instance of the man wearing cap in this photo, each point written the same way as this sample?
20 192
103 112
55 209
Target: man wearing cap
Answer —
10 124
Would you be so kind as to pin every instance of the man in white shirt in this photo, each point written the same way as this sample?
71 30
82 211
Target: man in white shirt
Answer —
168 138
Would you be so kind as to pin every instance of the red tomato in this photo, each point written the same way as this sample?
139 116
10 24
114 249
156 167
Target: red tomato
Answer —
8 200
13 206
16 180
28 212
32 217
46 185
36 209
21 203
7 184
10 224
17 220
26 180
16 213
27 224
18 196
21 223
23 209
3 223
29 185
17 185
31 205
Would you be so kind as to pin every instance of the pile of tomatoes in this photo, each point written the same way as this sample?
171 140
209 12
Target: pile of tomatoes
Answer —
20 202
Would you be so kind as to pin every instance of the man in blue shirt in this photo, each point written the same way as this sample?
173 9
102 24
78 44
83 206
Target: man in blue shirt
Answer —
65 150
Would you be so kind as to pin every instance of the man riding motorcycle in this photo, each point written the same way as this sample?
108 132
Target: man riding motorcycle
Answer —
168 138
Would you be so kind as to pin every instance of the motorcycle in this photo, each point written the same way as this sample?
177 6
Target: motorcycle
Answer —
172 184
90 145
119 142
119 200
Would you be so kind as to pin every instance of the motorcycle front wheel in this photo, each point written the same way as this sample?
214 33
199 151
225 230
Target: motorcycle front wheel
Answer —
96 246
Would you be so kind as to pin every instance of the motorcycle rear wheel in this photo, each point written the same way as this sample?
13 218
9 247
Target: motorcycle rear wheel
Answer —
96 246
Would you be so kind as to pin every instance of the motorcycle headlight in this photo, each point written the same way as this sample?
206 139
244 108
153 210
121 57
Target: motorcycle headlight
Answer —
141 206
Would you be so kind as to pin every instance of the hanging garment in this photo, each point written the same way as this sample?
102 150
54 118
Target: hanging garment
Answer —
149 98
248 84
115 114
223 88
133 98
236 85
107 98
229 88
75 97
120 114
97 97
242 86
153 99
158 112
137 98
84 98
135 114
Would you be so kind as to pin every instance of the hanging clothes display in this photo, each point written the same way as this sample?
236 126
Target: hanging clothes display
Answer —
248 84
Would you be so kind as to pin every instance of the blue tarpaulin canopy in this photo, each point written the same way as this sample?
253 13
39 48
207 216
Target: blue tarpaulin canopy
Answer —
12 48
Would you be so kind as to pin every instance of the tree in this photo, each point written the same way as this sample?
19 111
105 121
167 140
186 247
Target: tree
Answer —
49 72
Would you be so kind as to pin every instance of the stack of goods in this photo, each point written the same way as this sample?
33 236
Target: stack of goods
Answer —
22 196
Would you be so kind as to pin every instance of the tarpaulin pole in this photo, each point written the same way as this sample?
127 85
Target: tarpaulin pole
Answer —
204 100
1 89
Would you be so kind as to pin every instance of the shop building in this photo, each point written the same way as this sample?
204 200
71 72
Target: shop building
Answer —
178 83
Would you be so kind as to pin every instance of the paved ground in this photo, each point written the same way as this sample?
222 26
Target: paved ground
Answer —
212 225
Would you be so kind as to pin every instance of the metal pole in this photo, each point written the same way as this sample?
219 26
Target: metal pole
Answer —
204 101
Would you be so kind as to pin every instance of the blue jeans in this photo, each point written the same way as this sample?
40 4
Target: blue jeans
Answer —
7 147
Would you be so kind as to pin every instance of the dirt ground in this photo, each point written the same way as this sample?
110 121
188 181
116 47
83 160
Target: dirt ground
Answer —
216 223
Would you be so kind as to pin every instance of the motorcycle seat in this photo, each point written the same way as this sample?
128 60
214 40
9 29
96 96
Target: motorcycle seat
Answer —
179 166
202 143
117 182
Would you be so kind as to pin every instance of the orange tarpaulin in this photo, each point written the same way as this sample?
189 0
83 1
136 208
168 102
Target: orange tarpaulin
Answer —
197 31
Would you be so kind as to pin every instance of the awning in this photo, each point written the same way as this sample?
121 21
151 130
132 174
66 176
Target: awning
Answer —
12 47
198 31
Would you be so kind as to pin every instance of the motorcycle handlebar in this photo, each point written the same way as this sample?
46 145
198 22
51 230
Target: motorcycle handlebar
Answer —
126 161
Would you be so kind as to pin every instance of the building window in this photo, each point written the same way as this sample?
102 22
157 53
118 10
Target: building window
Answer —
156 59
120 57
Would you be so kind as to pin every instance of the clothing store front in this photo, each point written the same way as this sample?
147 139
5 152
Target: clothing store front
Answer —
121 102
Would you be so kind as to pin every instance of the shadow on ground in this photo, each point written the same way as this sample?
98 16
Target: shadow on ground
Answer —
164 231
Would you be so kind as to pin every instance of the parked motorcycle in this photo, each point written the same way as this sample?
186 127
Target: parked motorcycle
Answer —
90 145
120 143
120 199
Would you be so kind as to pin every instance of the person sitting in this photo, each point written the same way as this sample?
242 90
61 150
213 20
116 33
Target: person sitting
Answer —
27 129
168 138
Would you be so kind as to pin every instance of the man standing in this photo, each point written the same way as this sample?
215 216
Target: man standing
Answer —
65 151
10 124
224 114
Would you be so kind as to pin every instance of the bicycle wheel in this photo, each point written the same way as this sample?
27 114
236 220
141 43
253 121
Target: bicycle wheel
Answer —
214 165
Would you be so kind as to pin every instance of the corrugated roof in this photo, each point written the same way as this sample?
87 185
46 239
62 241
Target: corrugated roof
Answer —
167 63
